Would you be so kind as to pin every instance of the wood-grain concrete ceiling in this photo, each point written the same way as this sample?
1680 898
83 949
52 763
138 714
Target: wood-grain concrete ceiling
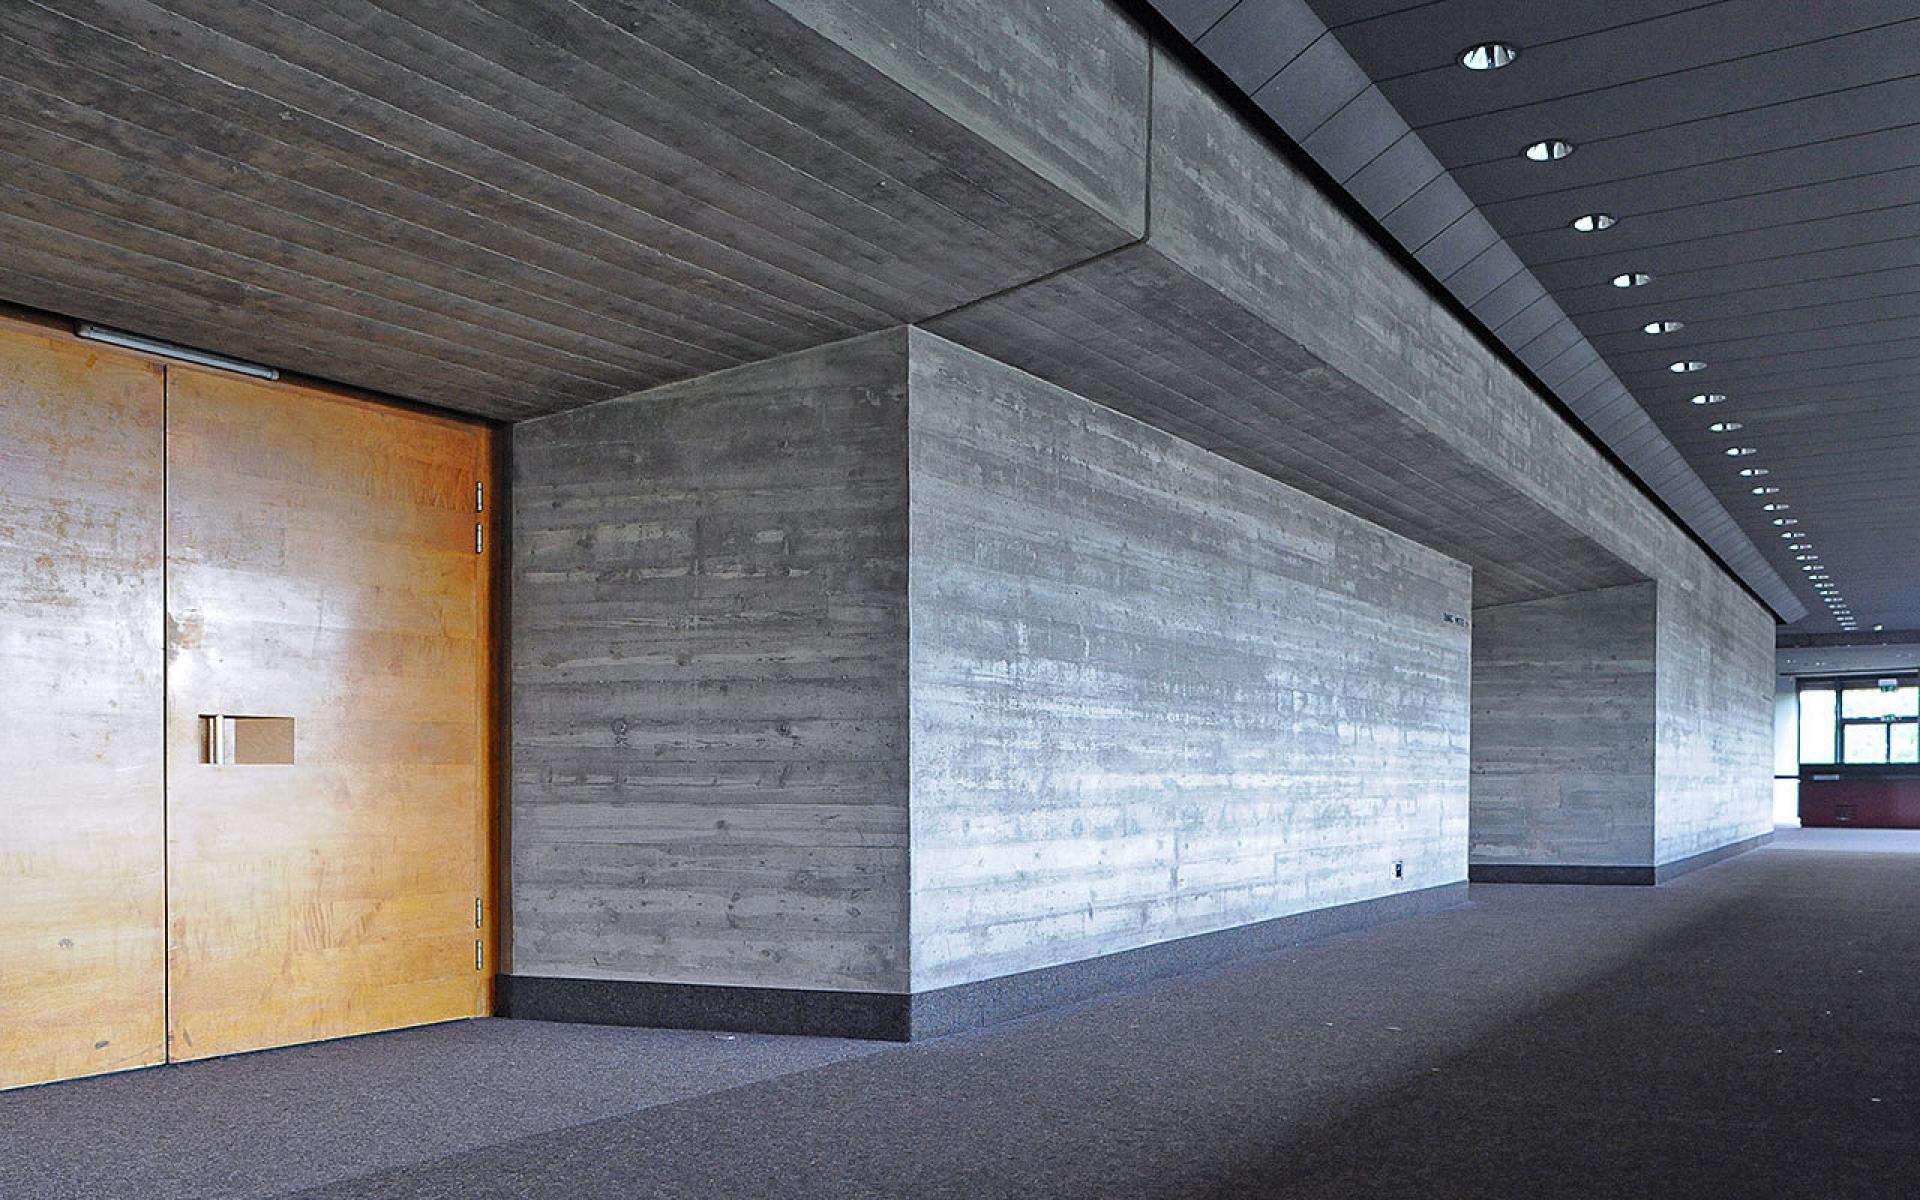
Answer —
512 208
1761 159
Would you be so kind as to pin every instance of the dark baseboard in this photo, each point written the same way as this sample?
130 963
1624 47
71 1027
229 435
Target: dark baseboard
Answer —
1680 866
1558 873
1635 876
881 1016
898 1017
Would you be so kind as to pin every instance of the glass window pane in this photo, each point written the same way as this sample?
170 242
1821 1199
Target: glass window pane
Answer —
1865 743
1870 701
1816 725
1906 743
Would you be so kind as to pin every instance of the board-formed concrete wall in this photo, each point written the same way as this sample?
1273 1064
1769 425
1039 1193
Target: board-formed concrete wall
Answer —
1624 727
1564 729
1154 692
1713 781
1146 694
710 679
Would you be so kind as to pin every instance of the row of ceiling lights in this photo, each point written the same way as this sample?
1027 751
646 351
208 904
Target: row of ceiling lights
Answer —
1490 56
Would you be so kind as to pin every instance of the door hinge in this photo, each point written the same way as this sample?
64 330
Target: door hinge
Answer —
479 961
479 497
477 910
479 538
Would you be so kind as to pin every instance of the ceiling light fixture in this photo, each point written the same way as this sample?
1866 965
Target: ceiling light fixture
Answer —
1766 489
140 341
1593 222
1488 56
1792 533
1741 451
1775 507
1656 328
1686 366
1786 520
1725 426
1632 279
1754 472
1710 398
1549 150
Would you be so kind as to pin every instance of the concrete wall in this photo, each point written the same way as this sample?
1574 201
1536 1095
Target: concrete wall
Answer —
1155 693
710 679
1713 779
1630 726
1146 693
1564 722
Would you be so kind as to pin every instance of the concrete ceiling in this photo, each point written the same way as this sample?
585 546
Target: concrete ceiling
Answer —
510 208
1762 159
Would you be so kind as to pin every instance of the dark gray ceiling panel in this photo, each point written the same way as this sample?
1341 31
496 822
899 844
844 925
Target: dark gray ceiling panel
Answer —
1531 321
1506 301
1316 84
1400 170
1487 270
1257 38
1356 135
1427 213
1456 245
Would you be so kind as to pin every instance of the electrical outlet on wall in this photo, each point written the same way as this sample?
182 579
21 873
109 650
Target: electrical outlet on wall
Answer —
1399 869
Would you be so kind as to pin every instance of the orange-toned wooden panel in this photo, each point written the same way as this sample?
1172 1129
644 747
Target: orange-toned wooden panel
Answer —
82 942
321 566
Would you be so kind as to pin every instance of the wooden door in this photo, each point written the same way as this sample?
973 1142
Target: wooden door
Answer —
321 566
82 988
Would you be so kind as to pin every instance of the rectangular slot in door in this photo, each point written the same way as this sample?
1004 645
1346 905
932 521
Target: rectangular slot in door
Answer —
230 741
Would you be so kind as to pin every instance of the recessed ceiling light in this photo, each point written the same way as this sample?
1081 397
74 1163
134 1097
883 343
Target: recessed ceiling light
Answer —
1776 506
1820 577
1593 222
1632 279
1710 398
1549 150
1488 56
1791 534
1686 366
1741 451
1878 628
1754 472
1766 489
1656 328
1786 520
1725 426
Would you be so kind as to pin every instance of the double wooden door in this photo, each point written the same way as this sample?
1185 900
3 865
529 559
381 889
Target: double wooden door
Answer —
191 558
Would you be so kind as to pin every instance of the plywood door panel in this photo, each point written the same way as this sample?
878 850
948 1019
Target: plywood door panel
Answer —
321 566
82 986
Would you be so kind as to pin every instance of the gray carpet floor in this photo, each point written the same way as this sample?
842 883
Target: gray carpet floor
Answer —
1752 1028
